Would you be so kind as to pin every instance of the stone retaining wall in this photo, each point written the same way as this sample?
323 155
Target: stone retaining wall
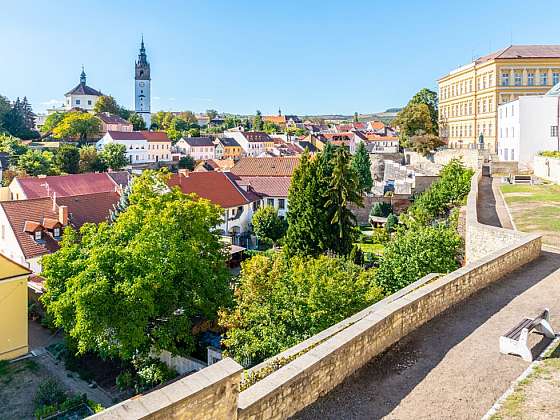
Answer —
211 393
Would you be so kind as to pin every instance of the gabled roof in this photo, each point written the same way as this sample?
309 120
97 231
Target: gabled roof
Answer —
29 214
126 135
270 186
199 141
83 89
108 118
155 136
75 184
228 142
218 187
266 166
523 51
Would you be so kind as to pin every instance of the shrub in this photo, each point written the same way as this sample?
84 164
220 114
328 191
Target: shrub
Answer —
150 373
550 154
392 222
381 209
49 392
380 236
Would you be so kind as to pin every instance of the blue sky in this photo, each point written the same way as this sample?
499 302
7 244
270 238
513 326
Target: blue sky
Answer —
306 56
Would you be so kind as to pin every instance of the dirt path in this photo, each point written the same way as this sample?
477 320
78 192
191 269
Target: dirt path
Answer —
451 367
492 209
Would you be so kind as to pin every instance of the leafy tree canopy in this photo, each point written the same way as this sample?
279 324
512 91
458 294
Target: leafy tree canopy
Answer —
52 121
79 125
35 162
67 159
114 156
267 225
362 167
137 284
90 160
187 162
138 123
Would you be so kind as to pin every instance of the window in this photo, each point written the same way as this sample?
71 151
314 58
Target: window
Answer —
270 202
530 79
544 79
555 78
553 131
56 232
77 102
512 154
38 235
505 79
518 79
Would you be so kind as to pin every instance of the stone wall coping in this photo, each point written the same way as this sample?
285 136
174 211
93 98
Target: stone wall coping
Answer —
345 323
143 405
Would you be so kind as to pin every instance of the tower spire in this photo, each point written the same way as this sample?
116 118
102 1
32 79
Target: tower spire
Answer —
83 76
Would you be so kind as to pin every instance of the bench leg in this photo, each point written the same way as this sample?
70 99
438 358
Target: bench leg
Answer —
546 329
522 347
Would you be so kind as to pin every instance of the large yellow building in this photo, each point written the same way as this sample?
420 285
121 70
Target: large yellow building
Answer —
13 309
469 96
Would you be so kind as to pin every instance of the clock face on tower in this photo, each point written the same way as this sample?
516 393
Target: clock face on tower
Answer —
141 84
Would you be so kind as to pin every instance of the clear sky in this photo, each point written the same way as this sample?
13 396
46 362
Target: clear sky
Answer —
306 56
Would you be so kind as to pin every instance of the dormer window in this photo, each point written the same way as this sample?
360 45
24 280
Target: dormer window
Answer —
38 235
56 232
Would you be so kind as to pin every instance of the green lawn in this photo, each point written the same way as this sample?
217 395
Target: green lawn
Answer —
535 209
372 248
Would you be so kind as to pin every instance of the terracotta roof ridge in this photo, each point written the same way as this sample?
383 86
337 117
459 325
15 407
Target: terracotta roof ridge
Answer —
239 190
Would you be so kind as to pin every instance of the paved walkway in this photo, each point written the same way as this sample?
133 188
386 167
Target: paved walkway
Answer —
451 367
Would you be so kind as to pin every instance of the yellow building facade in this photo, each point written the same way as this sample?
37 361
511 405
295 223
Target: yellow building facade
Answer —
469 96
13 309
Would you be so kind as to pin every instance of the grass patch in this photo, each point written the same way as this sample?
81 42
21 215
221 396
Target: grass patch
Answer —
371 248
530 193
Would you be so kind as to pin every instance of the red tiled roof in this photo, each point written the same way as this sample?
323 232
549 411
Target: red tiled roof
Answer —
266 166
92 208
108 118
155 135
377 125
275 119
523 51
217 187
271 186
126 135
66 185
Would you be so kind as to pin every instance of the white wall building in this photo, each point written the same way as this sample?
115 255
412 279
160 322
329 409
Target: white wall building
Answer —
134 141
199 148
528 126
253 143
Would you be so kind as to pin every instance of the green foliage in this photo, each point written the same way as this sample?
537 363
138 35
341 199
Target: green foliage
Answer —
193 132
550 154
381 209
258 121
449 191
270 127
415 253
114 156
380 236
281 301
12 145
187 162
430 99
150 373
211 114
49 392
17 119
67 159
77 125
138 123
413 119
361 165
392 222
267 225
425 143
90 160
356 255
124 288
52 121
35 162
109 104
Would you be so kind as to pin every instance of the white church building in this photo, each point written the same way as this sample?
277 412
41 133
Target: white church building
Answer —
82 96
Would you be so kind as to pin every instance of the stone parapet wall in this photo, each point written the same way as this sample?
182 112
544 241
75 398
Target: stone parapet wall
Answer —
504 167
211 393
301 382
547 168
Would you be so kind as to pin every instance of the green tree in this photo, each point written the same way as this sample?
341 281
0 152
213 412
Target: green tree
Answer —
270 127
5 108
392 222
106 103
361 165
381 209
80 125
35 162
67 159
343 190
282 301
138 123
356 119
114 156
52 121
187 162
193 132
429 98
415 253
413 119
425 143
90 160
267 225
12 145
211 114
137 284
258 121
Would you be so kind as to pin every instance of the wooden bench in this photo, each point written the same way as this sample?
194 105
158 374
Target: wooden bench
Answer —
522 179
515 340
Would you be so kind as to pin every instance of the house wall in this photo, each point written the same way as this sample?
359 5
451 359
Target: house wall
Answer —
9 245
86 102
547 168
13 318
136 150
242 222
16 192
159 151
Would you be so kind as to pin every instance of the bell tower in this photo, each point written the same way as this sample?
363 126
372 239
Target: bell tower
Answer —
142 86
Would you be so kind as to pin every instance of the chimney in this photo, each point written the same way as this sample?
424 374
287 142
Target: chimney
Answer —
54 201
184 172
63 215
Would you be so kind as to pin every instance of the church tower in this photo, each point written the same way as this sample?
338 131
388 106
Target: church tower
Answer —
142 86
